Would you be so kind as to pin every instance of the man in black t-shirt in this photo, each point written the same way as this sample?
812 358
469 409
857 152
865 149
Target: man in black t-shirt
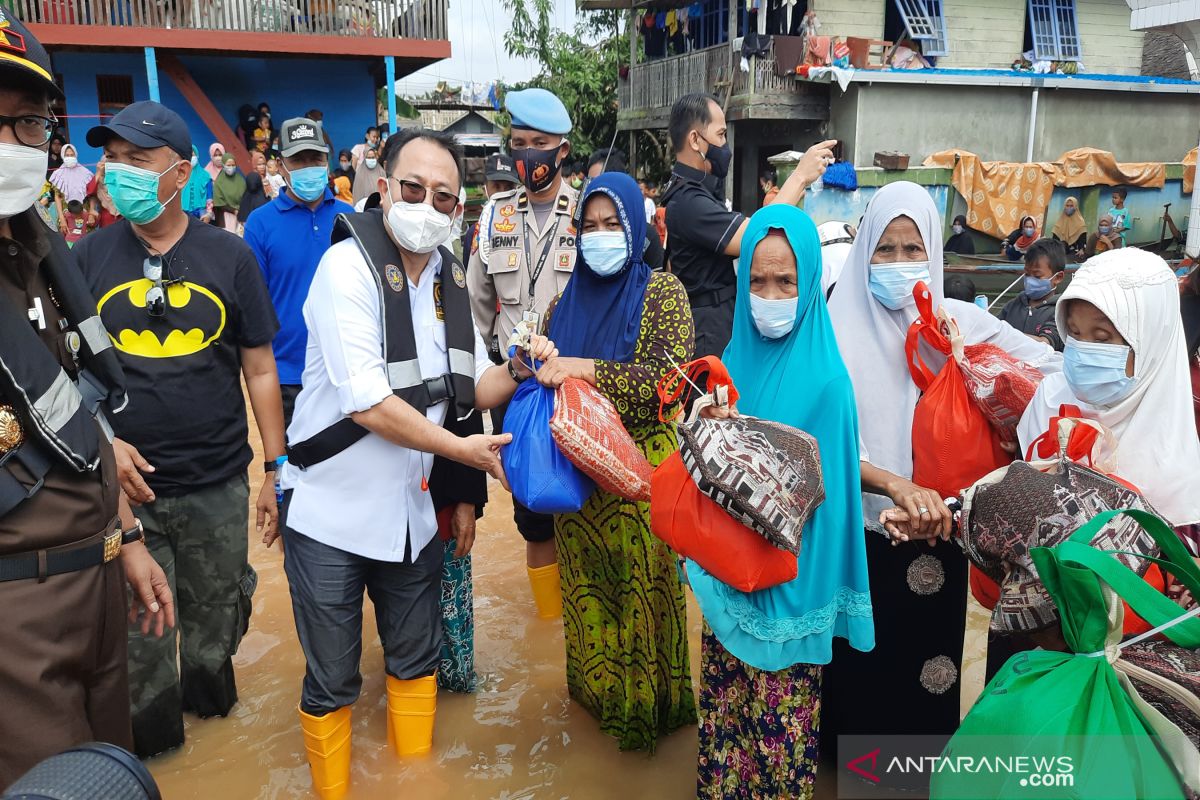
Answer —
189 315
703 236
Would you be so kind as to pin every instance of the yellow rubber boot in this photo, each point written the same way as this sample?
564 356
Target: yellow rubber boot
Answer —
547 591
411 707
327 740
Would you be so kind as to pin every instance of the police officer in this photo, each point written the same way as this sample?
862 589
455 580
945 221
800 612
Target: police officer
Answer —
63 678
524 257
704 236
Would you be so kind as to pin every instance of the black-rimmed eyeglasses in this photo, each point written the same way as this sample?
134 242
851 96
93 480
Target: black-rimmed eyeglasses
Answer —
31 130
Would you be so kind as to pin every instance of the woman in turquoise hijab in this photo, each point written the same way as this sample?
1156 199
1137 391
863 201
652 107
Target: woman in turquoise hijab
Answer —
197 194
761 651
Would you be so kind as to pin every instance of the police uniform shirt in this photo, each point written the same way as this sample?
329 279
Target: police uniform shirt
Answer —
70 506
367 499
510 245
699 228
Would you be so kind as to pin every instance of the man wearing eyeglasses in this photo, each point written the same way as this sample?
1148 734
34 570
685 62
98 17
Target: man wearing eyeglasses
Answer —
394 362
288 236
65 533
523 260
189 316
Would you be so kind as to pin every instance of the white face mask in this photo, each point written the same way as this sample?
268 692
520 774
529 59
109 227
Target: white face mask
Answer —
418 227
70 161
195 161
371 162
22 174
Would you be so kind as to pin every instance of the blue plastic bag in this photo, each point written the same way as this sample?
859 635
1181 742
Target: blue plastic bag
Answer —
541 477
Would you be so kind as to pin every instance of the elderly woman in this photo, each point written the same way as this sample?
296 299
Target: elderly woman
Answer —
919 593
766 646
619 326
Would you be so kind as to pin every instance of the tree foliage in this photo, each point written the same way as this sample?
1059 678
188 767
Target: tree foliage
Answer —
583 67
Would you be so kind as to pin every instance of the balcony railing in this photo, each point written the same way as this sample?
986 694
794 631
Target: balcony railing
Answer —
410 19
658 84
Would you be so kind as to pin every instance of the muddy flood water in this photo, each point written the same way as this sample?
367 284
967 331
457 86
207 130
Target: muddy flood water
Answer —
519 737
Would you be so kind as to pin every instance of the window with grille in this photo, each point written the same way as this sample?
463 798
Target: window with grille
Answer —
1053 30
924 21
113 92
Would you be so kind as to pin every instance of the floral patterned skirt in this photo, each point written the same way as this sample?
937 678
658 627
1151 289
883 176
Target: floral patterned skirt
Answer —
457 670
759 731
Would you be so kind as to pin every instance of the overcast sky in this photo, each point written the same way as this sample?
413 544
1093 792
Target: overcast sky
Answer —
477 29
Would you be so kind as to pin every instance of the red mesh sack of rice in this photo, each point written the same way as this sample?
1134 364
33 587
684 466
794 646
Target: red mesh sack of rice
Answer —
1000 385
588 430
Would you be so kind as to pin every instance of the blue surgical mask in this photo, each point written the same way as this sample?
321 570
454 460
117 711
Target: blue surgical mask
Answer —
1030 231
604 252
309 183
134 191
892 284
773 318
956 228
1069 211
1037 287
1105 230
1096 371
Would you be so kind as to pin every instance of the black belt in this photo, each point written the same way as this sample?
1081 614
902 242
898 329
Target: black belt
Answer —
716 297
41 564
337 437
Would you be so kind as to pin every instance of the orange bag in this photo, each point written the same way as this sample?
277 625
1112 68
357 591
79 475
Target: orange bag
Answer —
690 522
953 443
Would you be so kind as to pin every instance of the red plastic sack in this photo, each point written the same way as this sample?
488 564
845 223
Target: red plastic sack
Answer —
695 527
953 443
588 430
999 384
689 521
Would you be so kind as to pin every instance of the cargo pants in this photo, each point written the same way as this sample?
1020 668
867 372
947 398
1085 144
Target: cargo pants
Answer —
200 539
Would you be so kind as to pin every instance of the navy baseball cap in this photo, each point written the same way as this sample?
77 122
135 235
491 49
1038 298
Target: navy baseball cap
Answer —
500 167
22 54
145 124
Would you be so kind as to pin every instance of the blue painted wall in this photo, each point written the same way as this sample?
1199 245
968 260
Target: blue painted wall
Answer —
343 89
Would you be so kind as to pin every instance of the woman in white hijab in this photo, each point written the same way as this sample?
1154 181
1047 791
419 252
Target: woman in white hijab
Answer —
909 683
1125 365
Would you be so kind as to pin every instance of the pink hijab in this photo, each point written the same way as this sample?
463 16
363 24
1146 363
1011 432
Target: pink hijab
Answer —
71 182
215 149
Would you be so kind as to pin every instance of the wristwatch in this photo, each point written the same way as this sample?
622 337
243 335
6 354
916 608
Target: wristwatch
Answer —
270 466
512 373
134 534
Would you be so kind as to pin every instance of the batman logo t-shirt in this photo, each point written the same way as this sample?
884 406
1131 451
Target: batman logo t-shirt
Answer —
186 412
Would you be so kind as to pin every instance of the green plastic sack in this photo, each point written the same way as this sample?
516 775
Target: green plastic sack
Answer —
1076 706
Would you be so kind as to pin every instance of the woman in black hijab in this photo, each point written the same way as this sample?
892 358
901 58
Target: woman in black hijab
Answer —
960 241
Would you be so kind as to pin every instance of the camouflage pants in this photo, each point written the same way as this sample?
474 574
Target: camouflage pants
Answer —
200 540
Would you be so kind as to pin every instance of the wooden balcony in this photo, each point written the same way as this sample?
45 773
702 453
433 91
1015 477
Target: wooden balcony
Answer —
406 28
645 99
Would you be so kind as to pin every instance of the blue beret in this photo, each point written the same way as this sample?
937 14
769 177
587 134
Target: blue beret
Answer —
538 110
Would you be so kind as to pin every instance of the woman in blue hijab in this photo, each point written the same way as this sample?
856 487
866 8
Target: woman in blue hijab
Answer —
764 648
619 326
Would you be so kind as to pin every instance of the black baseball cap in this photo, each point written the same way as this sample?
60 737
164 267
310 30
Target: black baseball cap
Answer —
22 55
145 124
300 134
500 167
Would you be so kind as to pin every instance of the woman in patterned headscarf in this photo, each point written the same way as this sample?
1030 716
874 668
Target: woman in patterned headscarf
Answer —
619 326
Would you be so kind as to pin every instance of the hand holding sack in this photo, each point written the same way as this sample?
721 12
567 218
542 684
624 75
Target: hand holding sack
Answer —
737 495
1122 713
588 430
1001 386
1042 503
542 478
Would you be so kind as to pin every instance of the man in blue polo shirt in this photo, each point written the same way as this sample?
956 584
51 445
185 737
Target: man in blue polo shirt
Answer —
288 236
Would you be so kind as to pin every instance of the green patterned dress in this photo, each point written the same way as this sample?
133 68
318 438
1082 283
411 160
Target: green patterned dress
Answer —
624 615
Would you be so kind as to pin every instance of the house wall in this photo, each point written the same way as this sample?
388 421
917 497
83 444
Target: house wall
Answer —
1109 46
343 89
850 17
993 121
984 34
